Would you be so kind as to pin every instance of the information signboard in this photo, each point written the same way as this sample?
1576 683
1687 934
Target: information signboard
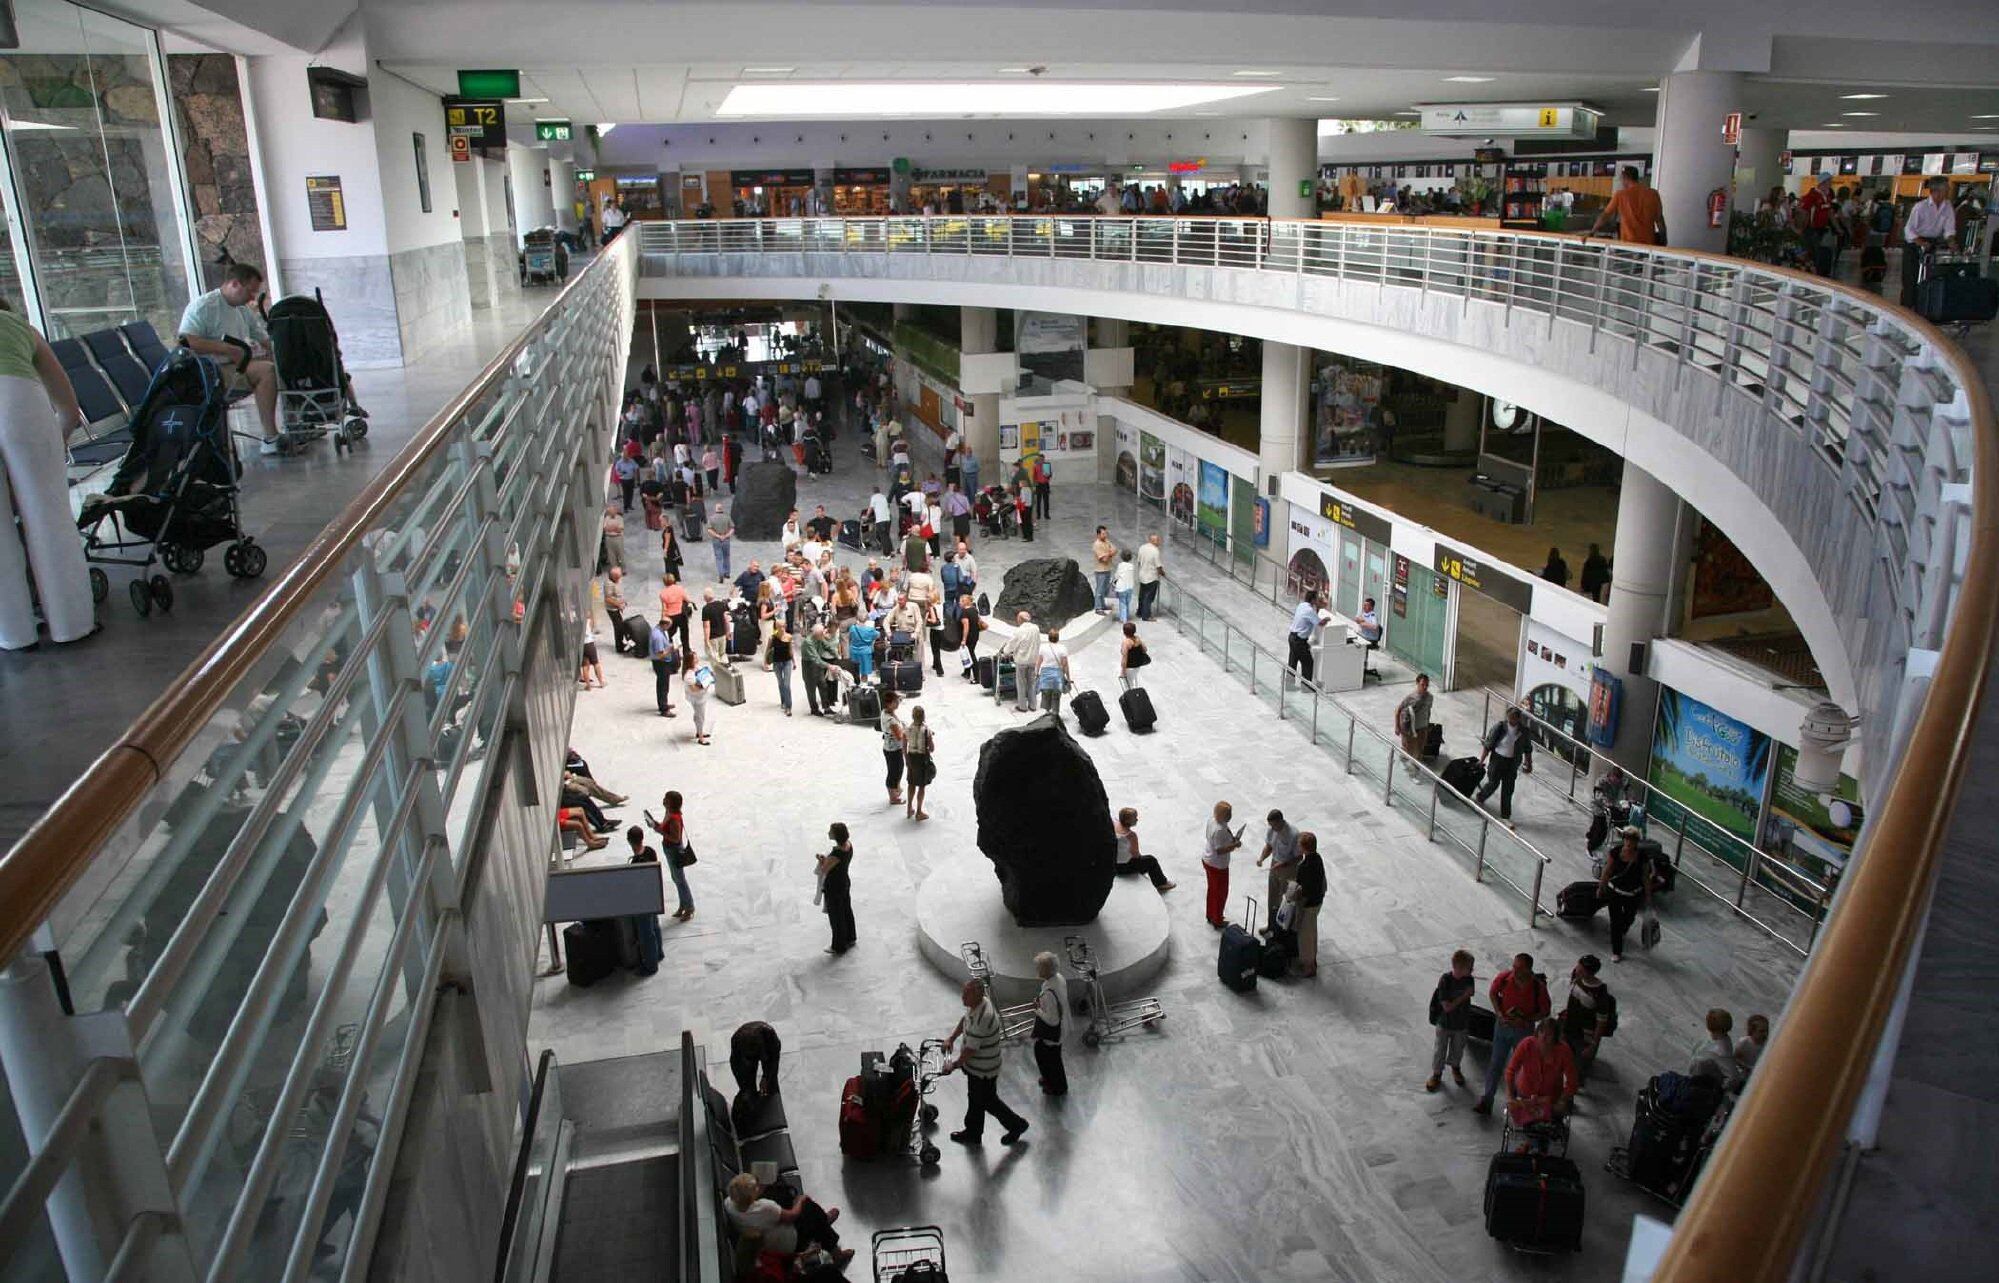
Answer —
481 122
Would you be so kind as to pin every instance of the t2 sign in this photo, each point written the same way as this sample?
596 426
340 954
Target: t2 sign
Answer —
481 122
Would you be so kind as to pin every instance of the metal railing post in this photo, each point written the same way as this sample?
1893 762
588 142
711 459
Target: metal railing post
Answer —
1534 898
1388 780
1680 844
1350 730
1484 827
1436 790
1315 711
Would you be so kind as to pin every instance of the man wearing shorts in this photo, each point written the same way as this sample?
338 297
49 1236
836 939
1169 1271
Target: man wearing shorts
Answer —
223 324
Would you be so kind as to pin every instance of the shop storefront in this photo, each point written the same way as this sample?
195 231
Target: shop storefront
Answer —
957 191
861 192
1491 607
771 193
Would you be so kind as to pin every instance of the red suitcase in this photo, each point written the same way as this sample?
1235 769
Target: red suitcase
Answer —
860 1132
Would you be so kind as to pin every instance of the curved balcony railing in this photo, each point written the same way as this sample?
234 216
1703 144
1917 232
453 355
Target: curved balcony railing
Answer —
1874 438
259 885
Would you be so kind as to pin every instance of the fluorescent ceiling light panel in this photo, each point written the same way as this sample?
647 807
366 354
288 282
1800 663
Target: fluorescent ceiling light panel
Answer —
1015 71
1332 98
1859 113
1469 80
1256 73
1649 89
1832 124
1991 116
971 98
1861 97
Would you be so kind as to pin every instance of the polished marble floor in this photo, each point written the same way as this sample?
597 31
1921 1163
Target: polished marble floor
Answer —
1278 1135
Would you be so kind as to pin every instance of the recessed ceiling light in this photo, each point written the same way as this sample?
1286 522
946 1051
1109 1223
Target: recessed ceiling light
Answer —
1015 71
1256 73
525 101
1861 97
1324 98
928 99
1859 113
768 71
1649 89
1832 124
1988 116
1468 80
1408 113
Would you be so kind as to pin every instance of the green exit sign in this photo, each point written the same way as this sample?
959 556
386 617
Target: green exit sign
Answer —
551 131
586 175
489 84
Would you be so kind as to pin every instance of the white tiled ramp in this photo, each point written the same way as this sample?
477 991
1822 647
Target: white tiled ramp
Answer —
1278 1135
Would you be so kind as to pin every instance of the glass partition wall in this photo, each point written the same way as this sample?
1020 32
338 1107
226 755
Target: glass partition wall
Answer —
95 222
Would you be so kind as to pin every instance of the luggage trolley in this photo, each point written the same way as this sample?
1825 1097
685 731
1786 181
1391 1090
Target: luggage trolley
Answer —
1550 1138
930 1061
1107 1019
908 1254
1015 1022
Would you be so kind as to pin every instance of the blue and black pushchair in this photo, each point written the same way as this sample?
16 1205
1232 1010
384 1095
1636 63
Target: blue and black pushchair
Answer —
175 492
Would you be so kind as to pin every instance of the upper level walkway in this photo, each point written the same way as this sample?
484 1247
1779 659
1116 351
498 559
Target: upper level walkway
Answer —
62 706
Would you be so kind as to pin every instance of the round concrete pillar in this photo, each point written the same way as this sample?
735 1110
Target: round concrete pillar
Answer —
1294 159
1280 430
1645 567
978 334
1756 166
1690 158
1461 422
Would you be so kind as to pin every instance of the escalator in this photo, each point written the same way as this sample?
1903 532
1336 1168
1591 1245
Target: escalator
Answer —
597 1187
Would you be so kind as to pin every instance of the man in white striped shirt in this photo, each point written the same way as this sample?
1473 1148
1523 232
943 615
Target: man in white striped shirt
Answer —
980 1059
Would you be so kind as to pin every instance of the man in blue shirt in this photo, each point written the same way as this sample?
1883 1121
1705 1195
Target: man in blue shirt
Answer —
1304 629
665 658
224 324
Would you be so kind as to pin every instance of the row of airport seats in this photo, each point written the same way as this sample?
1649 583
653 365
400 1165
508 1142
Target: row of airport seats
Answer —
110 371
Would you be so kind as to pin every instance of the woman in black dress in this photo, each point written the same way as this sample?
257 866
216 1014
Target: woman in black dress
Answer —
837 890
669 549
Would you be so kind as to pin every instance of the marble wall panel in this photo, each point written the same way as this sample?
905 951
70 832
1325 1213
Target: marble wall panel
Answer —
360 293
432 295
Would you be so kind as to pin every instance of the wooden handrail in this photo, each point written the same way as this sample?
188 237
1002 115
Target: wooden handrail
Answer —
51 856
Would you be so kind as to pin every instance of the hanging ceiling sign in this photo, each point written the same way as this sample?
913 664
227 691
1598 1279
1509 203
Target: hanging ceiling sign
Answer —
551 131
1456 564
1359 520
482 122
1187 166
1511 119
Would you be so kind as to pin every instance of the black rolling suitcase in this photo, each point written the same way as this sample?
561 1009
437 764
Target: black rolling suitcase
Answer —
1536 1202
988 670
1480 1022
1664 876
1953 293
638 630
1241 954
590 951
864 706
1433 741
1090 712
1578 902
1464 774
904 676
1279 951
1136 706
850 535
743 632
692 522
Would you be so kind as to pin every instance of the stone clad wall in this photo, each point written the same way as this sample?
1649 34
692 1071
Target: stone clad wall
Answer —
215 147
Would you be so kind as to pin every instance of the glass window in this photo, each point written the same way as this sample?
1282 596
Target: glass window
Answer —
90 170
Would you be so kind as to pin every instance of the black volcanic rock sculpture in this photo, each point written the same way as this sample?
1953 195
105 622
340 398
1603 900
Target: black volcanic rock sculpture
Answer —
765 495
1052 590
1045 823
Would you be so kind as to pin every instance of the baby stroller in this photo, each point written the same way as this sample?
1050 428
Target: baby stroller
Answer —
174 493
314 394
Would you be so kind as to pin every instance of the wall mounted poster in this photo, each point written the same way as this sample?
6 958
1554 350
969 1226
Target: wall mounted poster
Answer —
1151 468
1799 825
1711 764
1127 456
1212 511
1050 345
1180 476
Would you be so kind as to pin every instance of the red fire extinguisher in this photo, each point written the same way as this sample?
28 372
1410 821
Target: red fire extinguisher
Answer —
1717 206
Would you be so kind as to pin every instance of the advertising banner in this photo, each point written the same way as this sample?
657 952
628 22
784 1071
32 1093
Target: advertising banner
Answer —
1709 763
1212 508
1180 476
1050 345
1249 518
1345 413
1151 468
1312 552
1127 456
1800 826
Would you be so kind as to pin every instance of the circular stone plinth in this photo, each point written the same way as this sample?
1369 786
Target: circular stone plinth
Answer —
961 902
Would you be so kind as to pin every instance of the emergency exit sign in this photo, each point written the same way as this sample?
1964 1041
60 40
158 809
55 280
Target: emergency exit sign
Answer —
489 84
551 131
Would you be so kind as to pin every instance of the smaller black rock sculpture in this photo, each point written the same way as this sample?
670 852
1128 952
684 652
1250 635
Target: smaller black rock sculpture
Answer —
1045 823
1052 590
765 495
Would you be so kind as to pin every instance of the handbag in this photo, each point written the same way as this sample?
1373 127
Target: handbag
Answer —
1138 658
684 856
1648 935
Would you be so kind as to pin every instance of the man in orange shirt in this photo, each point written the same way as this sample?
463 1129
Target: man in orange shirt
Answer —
1541 1076
1640 218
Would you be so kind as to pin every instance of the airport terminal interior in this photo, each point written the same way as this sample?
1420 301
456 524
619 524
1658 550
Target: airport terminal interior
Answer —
1157 642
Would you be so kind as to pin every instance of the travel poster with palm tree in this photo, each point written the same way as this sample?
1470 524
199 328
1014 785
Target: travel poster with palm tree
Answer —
1710 763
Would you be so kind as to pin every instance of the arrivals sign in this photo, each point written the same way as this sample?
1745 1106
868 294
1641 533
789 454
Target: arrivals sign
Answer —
1455 564
1512 120
481 122
1369 526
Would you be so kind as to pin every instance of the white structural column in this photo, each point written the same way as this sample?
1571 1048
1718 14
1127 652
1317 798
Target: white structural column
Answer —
978 333
528 167
1111 335
562 191
1461 419
1756 168
475 224
1644 565
1689 156
1280 432
1294 159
